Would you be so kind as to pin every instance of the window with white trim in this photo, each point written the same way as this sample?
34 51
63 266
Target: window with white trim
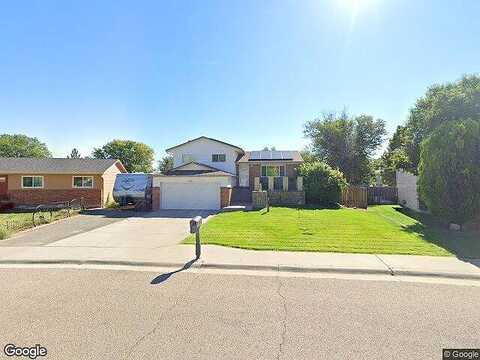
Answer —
32 182
219 157
83 182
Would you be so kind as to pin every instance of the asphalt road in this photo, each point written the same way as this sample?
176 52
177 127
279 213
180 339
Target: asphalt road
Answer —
107 314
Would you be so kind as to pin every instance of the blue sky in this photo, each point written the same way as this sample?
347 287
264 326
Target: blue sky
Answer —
78 74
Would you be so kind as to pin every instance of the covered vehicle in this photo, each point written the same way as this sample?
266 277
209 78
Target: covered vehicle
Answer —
133 189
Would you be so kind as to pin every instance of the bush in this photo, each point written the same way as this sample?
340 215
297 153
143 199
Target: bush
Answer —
449 172
323 185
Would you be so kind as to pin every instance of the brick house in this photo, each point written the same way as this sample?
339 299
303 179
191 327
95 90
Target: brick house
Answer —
29 181
211 174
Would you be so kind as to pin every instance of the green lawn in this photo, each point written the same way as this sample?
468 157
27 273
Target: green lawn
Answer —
13 222
381 229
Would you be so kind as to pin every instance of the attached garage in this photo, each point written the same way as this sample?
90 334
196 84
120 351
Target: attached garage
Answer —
199 191
192 195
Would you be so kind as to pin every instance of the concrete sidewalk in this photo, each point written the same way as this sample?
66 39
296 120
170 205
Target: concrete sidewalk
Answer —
237 259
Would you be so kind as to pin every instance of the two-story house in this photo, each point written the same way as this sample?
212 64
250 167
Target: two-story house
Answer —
209 174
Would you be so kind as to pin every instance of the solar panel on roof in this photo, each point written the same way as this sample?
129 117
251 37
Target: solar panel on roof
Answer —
255 155
271 155
276 155
287 155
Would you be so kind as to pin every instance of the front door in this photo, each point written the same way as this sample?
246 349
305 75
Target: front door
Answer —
3 186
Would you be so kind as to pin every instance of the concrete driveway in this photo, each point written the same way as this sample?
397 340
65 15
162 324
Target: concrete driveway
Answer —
149 230
112 229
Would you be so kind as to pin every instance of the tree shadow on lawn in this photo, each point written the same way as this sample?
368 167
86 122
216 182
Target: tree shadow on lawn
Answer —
465 245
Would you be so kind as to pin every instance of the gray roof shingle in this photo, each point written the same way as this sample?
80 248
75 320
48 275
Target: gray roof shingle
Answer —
55 166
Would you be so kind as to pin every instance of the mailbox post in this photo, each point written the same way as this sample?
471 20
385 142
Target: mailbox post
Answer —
195 225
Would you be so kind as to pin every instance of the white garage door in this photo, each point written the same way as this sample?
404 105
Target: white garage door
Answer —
190 196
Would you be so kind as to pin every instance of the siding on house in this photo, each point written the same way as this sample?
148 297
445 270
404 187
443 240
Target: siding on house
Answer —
407 190
202 150
108 179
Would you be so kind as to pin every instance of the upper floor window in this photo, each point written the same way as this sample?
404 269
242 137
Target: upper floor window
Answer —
32 182
187 158
83 182
273 170
219 157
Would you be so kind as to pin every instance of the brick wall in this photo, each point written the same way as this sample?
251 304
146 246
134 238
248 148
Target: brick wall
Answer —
286 197
155 198
92 197
225 196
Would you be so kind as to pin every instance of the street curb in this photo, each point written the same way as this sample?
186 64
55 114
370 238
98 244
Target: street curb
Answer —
96 262
459 276
279 268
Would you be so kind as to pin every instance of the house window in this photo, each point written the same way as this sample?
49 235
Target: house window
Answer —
32 182
273 170
219 157
188 158
83 182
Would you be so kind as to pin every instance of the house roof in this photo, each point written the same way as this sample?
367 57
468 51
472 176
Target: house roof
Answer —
200 169
206 138
57 166
186 173
285 156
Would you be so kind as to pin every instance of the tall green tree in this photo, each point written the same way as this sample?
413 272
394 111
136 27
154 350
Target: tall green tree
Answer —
442 103
74 154
308 156
19 145
135 156
346 143
449 172
165 164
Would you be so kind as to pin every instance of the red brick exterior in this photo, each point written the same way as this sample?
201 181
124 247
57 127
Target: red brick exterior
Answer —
254 171
92 197
225 196
155 198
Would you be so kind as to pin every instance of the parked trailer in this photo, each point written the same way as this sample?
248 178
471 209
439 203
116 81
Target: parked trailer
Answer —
133 189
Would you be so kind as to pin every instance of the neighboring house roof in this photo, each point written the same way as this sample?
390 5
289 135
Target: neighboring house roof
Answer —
206 138
57 166
198 169
284 155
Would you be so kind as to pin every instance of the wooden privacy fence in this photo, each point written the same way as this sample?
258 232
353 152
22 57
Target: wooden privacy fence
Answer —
355 196
382 195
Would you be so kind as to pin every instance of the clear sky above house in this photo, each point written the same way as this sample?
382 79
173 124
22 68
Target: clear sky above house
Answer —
78 74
